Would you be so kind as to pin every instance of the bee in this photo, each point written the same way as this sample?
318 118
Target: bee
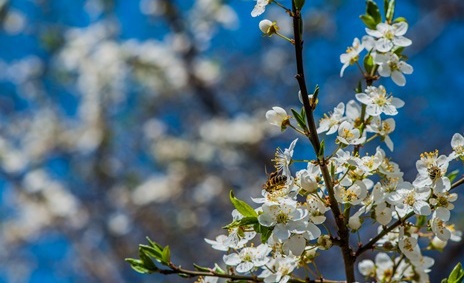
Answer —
275 182
434 172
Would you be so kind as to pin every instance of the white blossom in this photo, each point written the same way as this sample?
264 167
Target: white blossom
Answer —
248 258
282 159
457 143
285 217
277 117
389 36
431 170
351 56
329 123
348 134
259 8
308 179
280 269
412 199
383 129
391 66
353 195
377 101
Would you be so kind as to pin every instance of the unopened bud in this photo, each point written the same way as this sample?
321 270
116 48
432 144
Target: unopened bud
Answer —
268 28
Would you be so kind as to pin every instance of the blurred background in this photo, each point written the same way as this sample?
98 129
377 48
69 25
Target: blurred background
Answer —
126 119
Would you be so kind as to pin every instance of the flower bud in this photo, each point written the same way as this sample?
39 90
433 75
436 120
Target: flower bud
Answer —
438 244
268 28
354 223
278 117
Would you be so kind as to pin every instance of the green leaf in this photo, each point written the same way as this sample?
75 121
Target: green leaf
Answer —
245 221
368 21
138 265
147 262
316 91
398 50
201 268
452 175
218 269
232 225
152 252
264 231
373 10
248 221
320 154
314 99
399 20
390 11
369 63
300 120
385 6
166 255
359 88
155 245
242 207
457 275
421 220
299 4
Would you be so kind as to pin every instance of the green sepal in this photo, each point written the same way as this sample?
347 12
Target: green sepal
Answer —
166 255
201 268
390 10
457 275
369 63
299 4
368 21
138 265
299 119
242 207
452 175
373 10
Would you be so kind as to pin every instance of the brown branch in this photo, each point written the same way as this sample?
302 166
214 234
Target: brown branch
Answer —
343 232
193 273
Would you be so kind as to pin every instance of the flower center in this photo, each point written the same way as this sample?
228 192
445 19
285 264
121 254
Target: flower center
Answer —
389 34
409 199
282 218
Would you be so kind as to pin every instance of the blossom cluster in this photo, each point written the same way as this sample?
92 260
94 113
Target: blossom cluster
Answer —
384 45
368 188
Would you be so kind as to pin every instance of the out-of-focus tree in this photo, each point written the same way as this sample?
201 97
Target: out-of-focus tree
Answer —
122 119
